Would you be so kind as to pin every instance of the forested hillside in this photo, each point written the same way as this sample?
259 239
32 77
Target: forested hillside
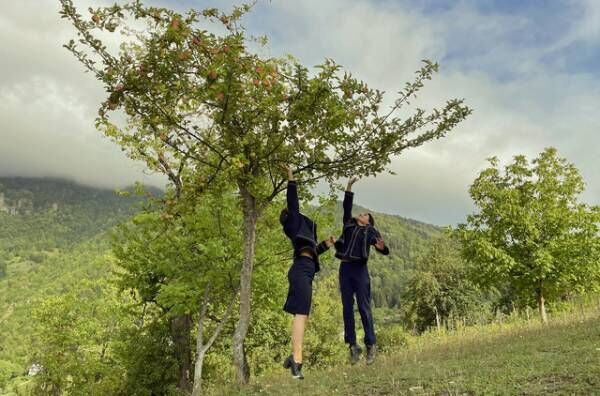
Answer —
55 213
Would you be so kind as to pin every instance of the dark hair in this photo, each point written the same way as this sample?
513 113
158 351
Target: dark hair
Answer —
371 220
283 215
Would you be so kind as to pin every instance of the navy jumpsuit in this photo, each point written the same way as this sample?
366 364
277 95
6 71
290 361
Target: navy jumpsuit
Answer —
353 249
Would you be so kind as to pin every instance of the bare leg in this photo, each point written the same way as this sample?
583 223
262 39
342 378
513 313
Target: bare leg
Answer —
298 325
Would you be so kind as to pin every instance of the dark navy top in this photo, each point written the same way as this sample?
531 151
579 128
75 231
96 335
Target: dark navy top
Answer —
301 230
355 242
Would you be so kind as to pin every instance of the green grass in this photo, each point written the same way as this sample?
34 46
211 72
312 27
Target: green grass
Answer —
522 358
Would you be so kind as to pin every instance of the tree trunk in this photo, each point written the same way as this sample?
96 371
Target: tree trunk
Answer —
241 329
201 347
437 319
197 391
181 326
541 306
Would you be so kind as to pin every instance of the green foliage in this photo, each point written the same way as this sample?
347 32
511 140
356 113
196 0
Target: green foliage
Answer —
531 231
142 345
46 254
205 103
204 108
179 260
324 341
146 355
3 264
440 290
391 337
63 215
168 257
8 370
73 341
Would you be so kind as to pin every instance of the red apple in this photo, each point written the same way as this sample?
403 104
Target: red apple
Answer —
184 55
212 75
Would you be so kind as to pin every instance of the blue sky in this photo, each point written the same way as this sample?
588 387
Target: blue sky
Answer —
529 69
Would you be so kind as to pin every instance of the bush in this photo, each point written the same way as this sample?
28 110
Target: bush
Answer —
391 337
8 370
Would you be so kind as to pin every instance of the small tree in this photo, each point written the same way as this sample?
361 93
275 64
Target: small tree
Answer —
181 263
531 231
201 106
74 341
439 289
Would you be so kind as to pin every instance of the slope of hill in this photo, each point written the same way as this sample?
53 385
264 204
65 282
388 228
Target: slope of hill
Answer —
520 358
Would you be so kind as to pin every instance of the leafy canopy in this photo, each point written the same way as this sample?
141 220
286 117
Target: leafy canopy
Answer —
200 104
531 230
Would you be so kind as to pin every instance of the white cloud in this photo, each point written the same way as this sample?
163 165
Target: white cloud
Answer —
537 107
48 104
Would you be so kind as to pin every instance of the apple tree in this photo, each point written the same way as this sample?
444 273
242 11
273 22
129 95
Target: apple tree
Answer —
191 96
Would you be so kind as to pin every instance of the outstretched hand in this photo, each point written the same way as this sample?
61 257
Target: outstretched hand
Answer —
330 241
351 181
380 244
288 169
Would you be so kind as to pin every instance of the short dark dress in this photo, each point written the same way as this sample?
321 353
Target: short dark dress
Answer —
302 232
300 277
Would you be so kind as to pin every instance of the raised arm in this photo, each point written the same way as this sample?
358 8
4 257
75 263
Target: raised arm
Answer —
293 204
348 198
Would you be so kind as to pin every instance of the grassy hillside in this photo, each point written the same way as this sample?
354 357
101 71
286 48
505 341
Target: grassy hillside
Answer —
521 358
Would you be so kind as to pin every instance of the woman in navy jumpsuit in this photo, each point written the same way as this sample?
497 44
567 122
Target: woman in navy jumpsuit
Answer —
352 248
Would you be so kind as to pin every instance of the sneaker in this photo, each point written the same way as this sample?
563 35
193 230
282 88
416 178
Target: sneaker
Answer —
371 354
295 368
355 352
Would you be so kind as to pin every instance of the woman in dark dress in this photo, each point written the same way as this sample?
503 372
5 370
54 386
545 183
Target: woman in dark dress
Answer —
302 232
